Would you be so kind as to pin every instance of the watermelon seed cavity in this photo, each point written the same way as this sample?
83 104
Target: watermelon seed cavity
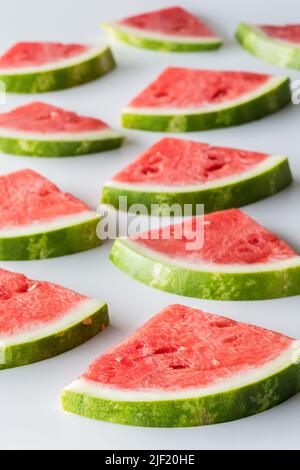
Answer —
165 350
177 367
219 94
231 339
150 170
222 324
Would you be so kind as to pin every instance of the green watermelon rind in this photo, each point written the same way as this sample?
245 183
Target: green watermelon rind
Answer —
51 244
61 77
219 197
144 41
272 50
42 348
160 273
206 410
41 148
268 101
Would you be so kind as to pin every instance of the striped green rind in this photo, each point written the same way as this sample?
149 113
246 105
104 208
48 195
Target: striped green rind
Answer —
165 45
41 148
176 279
212 409
235 194
46 347
60 78
272 50
51 244
272 100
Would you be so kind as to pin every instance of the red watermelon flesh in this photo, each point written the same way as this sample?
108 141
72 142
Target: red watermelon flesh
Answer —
27 197
290 33
44 118
182 88
173 21
230 238
26 304
36 54
181 162
182 348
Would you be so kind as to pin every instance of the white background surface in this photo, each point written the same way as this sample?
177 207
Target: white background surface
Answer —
30 415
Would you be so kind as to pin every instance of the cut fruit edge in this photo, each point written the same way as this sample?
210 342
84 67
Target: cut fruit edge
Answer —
92 53
83 311
273 50
270 163
49 226
288 358
271 85
256 30
105 134
114 28
209 267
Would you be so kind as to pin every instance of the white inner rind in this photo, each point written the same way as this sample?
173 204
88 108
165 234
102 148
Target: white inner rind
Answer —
269 163
83 311
211 267
52 225
281 42
239 380
272 83
98 135
92 52
163 37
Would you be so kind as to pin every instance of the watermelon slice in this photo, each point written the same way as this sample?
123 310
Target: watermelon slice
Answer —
39 67
184 368
239 259
38 221
181 172
279 45
172 29
39 320
42 130
183 100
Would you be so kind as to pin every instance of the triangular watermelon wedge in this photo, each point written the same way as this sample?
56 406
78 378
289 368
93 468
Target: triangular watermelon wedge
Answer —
183 100
171 29
42 130
39 67
182 172
185 368
238 259
278 45
38 221
39 320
